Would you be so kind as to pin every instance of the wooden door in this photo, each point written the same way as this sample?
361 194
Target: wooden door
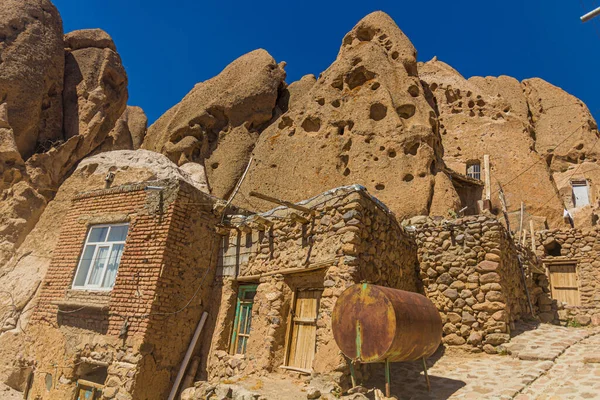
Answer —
563 282
304 329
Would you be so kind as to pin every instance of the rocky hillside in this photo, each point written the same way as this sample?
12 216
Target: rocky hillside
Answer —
375 117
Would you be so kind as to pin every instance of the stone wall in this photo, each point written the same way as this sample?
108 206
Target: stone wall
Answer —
470 270
582 247
350 238
140 329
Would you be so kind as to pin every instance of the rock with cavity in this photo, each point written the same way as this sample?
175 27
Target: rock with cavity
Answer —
219 121
366 120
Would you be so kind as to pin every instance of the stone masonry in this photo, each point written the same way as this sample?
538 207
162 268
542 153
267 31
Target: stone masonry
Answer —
470 270
350 238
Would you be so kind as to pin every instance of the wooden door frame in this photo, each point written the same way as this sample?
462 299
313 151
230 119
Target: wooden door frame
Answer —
290 325
572 261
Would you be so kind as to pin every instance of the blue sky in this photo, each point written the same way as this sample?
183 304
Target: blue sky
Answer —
167 47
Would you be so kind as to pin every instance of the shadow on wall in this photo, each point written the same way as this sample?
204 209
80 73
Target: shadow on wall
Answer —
94 321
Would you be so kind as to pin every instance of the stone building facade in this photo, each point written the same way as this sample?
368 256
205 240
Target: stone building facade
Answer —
127 340
470 269
571 259
350 237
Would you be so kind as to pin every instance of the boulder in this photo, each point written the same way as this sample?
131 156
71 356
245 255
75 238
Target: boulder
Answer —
32 71
88 38
367 120
219 120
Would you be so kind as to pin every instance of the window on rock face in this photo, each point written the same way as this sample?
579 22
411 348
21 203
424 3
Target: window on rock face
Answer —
580 193
474 170
101 256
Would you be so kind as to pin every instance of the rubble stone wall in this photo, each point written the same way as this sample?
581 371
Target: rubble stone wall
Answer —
470 270
582 246
351 238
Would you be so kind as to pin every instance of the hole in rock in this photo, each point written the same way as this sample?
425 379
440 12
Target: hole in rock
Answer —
311 124
413 90
378 112
406 111
408 178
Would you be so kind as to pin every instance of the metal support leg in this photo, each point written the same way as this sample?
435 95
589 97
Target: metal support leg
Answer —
426 375
387 378
352 373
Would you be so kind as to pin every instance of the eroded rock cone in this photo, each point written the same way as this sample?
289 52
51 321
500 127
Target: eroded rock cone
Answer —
366 120
217 124
491 116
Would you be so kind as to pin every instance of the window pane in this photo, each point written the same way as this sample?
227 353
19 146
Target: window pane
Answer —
98 234
84 265
98 266
118 233
241 347
113 266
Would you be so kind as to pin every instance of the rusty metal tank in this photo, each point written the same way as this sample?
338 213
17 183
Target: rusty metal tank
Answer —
374 323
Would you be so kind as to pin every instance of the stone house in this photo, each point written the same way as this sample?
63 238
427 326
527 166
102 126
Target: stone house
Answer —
281 273
114 316
571 259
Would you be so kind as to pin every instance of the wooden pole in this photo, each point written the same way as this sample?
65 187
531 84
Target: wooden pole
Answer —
504 208
521 221
187 357
532 229
487 177
282 202
524 238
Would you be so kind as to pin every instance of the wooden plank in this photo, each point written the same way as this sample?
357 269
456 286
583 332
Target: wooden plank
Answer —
564 284
303 343
487 177
281 202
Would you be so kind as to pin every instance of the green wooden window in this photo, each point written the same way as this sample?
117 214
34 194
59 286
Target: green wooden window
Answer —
243 319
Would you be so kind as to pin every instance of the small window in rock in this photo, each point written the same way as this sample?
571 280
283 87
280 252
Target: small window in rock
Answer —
474 170
243 319
99 261
580 193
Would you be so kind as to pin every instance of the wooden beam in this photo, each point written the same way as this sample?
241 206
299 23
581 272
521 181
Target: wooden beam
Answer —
487 177
282 202
288 271
298 218
521 221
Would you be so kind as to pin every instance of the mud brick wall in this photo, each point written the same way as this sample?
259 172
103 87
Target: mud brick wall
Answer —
183 290
352 237
138 273
469 269
582 246
161 289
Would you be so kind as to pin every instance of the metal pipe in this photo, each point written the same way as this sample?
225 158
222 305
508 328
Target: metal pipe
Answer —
387 378
590 15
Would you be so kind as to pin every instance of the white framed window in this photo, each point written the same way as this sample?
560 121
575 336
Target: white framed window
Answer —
581 195
101 256
474 170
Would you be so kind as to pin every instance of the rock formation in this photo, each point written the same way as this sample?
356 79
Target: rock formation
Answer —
31 71
491 116
217 123
366 120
